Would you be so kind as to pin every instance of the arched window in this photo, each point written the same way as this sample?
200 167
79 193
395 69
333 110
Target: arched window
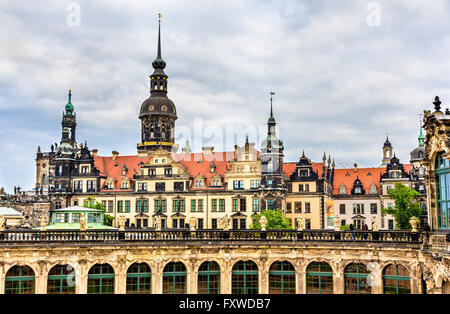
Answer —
174 278
19 280
282 278
209 278
244 278
356 279
443 192
101 279
319 278
61 280
139 279
396 280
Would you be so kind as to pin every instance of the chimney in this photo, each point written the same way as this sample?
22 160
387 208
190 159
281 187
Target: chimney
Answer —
355 165
94 152
115 155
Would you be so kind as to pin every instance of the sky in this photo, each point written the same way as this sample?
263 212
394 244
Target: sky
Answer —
344 74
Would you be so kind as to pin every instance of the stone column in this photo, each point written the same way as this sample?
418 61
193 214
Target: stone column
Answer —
192 278
2 278
157 278
338 279
40 278
82 278
263 279
376 280
225 276
300 278
120 276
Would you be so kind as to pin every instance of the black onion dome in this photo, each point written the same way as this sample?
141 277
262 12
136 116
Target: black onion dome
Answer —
158 105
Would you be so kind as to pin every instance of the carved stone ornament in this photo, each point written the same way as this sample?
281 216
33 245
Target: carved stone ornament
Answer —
43 222
337 223
374 223
414 223
2 223
122 223
158 223
82 222
263 222
300 224
192 223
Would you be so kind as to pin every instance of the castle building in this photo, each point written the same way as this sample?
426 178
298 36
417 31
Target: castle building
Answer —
180 190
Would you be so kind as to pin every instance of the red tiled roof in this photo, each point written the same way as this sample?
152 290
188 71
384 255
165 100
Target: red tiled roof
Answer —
195 164
289 168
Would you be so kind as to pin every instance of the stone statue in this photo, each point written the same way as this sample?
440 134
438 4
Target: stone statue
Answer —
192 223
2 223
414 223
374 223
158 223
263 222
300 224
337 223
122 223
43 221
225 223
82 222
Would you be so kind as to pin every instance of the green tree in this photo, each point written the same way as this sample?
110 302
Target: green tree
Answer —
90 202
275 220
405 206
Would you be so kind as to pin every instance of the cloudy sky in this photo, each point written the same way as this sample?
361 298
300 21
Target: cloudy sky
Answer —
344 72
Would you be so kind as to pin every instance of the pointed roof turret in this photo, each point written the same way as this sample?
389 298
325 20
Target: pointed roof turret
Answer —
69 107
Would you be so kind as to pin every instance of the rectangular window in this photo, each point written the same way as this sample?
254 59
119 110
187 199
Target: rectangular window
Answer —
238 185
270 204
138 223
120 206
256 205
300 187
298 207
373 209
178 206
78 186
243 203
110 206
138 206
289 207
127 206
200 206
145 223
193 205
214 205
235 224
308 208
91 186
221 205
214 224
243 225
145 206
104 205
160 187
235 205
358 208
200 223
142 187
306 187
307 224
342 209
178 186
390 224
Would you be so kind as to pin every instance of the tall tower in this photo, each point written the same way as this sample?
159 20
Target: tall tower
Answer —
272 185
69 120
158 113
387 152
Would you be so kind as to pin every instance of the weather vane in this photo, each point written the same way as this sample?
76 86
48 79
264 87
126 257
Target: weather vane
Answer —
159 17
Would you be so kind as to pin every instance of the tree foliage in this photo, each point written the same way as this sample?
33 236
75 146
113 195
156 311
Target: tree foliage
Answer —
275 220
90 202
405 206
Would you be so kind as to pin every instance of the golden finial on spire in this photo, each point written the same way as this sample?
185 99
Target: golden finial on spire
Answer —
70 88
159 17
387 134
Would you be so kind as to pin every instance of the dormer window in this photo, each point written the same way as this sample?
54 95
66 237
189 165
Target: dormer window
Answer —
358 190
342 189
373 189
304 173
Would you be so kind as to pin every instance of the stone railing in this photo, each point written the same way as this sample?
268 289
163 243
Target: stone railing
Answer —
141 235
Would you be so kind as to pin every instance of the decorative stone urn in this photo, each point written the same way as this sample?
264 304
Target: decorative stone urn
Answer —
414 224
82 222
122 223
300 224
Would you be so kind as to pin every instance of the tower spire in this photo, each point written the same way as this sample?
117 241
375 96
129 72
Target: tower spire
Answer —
421 136
271 103
159 35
